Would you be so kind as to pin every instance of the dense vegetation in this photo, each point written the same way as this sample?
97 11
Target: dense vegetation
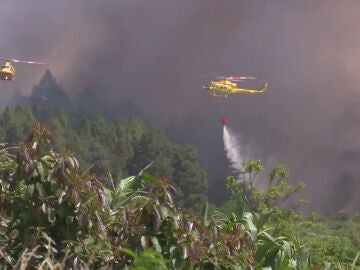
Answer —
56 216
69 200
48 97
120 148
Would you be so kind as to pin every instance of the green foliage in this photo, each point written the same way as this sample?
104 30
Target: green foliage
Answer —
334 241
45 196
272 250
275 192
15 124
54 216
150 259
189 190
332 244
121 148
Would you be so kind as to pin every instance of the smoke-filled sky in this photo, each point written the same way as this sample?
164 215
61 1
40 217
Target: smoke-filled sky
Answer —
158 54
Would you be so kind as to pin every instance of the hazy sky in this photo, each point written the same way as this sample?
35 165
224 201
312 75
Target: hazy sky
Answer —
158 53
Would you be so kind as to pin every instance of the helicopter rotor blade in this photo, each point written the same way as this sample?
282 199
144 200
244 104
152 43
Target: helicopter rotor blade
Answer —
27 62
239 78
22 61
236 78
232 78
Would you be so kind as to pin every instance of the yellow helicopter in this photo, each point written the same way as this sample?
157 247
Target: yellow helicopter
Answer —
7 70
227 86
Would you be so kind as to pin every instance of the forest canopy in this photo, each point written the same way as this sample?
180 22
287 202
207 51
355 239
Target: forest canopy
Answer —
116 149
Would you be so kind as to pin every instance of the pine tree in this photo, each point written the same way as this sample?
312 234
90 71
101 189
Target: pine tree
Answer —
47 97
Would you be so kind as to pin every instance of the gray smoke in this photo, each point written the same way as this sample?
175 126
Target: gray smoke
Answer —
156 53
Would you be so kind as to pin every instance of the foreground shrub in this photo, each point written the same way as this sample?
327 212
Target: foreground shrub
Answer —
53 216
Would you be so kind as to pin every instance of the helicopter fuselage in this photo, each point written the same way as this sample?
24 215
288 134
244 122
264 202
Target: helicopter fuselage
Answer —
7 71
226 87
221 88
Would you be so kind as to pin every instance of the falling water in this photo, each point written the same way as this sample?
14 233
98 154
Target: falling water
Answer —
235 152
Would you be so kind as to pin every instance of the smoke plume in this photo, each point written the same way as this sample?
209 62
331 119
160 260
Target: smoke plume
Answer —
155 52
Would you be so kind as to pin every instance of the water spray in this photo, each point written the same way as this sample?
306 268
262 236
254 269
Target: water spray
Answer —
235 152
